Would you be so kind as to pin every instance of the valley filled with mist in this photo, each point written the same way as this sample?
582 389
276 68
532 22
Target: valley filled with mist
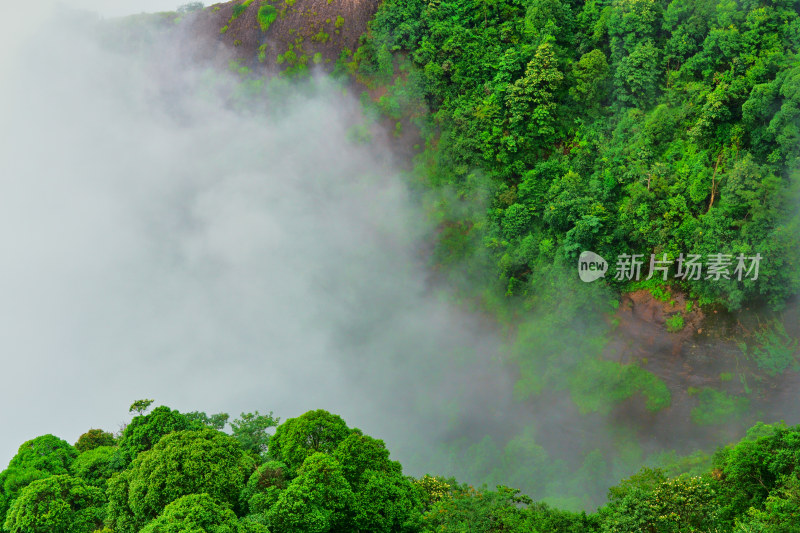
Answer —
365 227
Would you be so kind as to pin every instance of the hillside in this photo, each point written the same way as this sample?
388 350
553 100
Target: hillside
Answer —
551 247
534 131
268 36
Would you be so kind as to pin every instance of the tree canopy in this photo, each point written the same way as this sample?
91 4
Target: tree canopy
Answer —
57 504
202 480
181 463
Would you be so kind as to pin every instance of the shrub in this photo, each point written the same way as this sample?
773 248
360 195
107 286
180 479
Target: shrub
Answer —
266 16
238 9
716 407
675 323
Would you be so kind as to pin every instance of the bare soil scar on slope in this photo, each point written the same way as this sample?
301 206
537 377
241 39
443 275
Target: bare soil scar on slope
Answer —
277 34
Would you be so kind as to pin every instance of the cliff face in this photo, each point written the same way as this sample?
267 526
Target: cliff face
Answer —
269 34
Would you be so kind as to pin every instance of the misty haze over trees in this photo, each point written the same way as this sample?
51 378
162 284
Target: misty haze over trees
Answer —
377 209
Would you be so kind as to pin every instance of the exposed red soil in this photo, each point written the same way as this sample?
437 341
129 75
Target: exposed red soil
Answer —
696 357
309 27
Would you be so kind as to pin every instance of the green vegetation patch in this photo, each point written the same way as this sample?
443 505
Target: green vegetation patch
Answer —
266 16
772 349
600 384
675 323
717 407
238 9
320 37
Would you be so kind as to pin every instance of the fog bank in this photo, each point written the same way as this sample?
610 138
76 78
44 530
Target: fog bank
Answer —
158 243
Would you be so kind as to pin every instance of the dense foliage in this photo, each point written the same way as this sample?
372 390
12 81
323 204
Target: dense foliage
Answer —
205 481
56 503
36 459
618 126
545 128
181 463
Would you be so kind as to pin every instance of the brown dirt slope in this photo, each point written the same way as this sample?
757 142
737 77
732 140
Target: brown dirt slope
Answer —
303 32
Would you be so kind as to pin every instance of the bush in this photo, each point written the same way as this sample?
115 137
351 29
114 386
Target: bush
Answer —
716 407
675 323
775 351
238 9
266 16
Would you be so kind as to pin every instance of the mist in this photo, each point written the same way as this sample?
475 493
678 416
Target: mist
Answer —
159 243
165 237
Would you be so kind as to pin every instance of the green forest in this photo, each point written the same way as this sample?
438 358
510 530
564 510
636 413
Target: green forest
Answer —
621 127
545 128
175 472
528 132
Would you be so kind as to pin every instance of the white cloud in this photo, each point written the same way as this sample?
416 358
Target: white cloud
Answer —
157 244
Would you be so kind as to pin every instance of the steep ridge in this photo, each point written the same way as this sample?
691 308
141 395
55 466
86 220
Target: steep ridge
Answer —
264 34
